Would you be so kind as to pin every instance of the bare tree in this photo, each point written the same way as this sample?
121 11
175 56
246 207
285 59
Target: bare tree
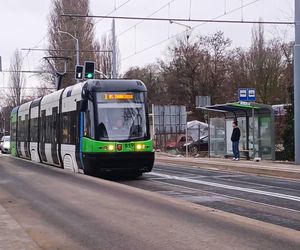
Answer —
265 66
16 81
104 59
151 76
197 68
44 89
182 73
217 46
237 74
62 44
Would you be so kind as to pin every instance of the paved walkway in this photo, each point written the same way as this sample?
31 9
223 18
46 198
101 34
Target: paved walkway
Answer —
278 169
12 235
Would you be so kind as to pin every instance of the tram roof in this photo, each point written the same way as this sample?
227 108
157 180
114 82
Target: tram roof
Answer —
115 85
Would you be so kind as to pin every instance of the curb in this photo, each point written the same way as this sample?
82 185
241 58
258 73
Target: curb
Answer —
243 169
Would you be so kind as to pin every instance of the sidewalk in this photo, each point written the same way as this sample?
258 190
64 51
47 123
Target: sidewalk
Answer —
12 235
269 168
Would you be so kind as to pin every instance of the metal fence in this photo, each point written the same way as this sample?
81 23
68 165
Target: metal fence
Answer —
172 133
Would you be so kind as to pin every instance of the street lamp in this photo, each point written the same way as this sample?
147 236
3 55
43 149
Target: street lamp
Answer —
77 45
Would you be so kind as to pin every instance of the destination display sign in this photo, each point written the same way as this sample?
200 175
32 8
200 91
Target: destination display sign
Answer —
119 96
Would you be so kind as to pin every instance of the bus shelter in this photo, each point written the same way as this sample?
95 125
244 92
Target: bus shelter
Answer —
256 122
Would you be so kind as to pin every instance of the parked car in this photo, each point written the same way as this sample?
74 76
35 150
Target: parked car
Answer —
197 146
5 144
177 143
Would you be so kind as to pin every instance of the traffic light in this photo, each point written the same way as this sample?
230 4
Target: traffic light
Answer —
79 72
89 72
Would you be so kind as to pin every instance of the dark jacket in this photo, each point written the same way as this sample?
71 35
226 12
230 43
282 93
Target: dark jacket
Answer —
236 134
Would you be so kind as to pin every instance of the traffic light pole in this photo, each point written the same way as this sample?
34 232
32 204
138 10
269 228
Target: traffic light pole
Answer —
297 83
77 54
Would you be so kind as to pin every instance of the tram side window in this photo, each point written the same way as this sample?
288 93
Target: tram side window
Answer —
20 135
69 127
65 128
91 120
43 126
23 130
54 124
73 127
13 130
19 128
26 128
87 124
34 129
48 138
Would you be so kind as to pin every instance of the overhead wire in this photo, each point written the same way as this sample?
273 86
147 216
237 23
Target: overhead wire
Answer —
153 13
35 46
193 28
115 9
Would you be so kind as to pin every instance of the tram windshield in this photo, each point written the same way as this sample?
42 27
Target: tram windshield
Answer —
121 116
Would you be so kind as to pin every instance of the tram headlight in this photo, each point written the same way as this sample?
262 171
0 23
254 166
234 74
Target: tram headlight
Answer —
111 147
140 146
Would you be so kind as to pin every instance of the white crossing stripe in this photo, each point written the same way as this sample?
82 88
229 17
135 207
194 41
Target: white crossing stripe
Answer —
213 184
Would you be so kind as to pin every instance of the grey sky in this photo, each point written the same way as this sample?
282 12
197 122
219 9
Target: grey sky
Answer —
24 25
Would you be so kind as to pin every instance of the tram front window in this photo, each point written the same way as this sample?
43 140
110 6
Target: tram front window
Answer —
121 121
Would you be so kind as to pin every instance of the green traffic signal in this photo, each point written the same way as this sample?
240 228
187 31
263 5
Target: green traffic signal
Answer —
89 76
89 69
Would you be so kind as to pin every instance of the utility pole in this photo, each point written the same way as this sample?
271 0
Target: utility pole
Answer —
114 52
297 83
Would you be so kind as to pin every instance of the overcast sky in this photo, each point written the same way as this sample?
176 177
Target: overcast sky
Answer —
23 24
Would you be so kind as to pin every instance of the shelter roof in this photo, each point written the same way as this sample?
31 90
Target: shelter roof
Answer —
240 109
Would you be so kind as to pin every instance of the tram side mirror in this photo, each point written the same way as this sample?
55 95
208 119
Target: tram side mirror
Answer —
83 105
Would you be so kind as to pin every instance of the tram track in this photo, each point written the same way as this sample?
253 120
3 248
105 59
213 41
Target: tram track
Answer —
238 181
247 195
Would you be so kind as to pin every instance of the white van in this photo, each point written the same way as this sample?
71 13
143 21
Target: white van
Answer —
5 144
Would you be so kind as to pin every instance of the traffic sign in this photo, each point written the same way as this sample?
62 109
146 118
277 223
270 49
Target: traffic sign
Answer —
243 95
247 95
251 95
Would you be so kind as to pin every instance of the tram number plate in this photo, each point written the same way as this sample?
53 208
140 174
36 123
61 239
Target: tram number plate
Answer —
129 146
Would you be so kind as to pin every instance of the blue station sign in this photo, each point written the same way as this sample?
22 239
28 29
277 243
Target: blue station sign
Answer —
247 95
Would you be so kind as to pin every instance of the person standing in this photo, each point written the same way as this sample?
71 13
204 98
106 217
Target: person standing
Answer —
235 138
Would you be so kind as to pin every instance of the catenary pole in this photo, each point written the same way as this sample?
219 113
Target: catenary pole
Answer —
114 52
297 82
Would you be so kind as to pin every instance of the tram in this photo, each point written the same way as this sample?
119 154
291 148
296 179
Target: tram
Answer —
90 127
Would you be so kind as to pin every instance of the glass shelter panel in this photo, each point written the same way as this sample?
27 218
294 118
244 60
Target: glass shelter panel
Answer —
265 142
217 136
253 137
243 145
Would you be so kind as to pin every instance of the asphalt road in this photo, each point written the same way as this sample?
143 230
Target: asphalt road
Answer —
268 199
62 210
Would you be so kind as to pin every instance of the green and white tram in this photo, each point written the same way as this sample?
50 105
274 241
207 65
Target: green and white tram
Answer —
90 127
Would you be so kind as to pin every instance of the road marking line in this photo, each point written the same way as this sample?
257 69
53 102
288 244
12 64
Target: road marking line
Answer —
225 195
248 190
179 172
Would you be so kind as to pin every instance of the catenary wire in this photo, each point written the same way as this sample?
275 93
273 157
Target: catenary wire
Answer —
180 33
